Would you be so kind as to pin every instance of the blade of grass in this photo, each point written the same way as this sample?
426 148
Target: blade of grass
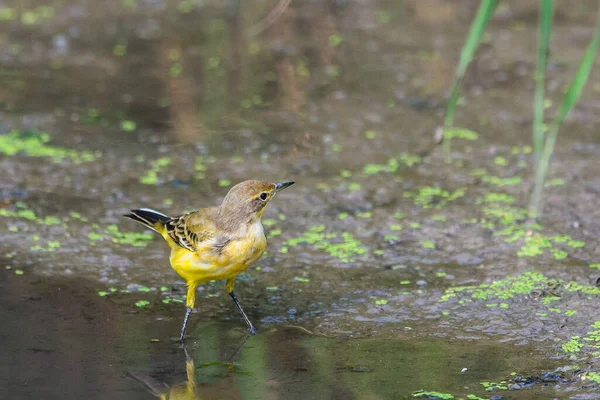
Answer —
484 13
545 26
569 100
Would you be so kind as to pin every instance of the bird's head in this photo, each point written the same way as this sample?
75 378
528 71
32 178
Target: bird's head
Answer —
246 201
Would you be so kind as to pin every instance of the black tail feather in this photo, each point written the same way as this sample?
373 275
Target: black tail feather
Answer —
147 217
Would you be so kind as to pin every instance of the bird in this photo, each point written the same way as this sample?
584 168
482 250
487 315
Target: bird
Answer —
215 243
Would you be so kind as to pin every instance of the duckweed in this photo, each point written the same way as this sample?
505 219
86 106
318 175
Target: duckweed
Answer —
52 245
460 133
573 345
593 376
151 176
434 197
274 232
342 246
503 289
35 144
392 165
498 160
137 239
432 395
489 386
554 182
128 126
142 303
427 244
269 221
381 302
343 215
498 181
25 214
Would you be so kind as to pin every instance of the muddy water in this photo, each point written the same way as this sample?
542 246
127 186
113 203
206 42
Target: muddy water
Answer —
388 270
64 342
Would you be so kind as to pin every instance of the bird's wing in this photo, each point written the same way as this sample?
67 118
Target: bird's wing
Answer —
190 230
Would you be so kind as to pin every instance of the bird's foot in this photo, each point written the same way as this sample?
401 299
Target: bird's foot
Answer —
252 331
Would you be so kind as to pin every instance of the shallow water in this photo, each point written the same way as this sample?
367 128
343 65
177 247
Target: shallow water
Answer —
387 271
65 342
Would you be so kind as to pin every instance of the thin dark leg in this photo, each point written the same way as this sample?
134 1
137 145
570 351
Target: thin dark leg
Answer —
251 329
188 311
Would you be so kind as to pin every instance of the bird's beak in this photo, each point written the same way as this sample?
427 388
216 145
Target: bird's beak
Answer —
280 186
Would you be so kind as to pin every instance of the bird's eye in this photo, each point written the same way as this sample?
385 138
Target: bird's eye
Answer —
263 196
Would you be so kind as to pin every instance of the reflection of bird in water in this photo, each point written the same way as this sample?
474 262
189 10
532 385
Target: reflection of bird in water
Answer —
215 243
187 390
190 390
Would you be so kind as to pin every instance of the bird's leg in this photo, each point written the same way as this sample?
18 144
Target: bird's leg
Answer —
188 311
190 301
229 287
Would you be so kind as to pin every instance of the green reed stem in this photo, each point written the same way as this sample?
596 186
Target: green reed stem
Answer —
484 13
545 26
569 100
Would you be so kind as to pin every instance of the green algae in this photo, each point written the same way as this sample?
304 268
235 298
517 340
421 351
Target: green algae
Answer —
136 239
273 233
22 213
554 182
341 246
200 166
370 134
151 176
573 345
21 210
499 160
496 198
128 126
269 221
490 386
51 245
498 181
35 144
427 244
392 165
434 197
432 395
460 133
593 376
528 283
534 245
142 303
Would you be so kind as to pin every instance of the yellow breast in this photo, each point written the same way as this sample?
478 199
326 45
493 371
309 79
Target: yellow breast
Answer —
211 263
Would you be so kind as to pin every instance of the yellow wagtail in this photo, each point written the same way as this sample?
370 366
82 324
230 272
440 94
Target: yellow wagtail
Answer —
215 243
